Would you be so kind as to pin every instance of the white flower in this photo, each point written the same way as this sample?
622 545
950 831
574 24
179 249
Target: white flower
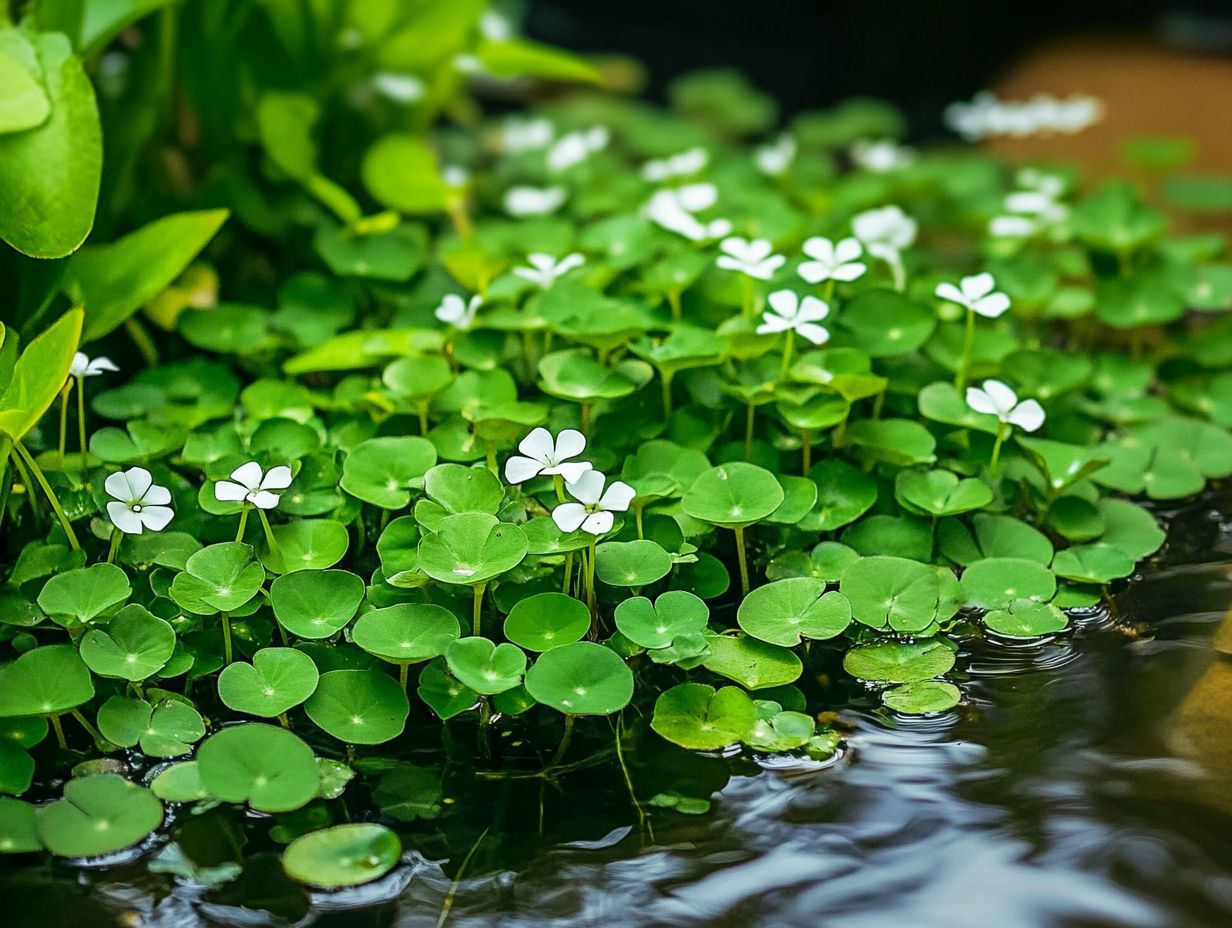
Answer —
977 294
593 511
249 484
673 210
986 115
455 176
1032 210
683 164
997 399
885 231
575 147
788 311
495 26
466 63
831 261
752 258
398 88
881 155
776 157
457 312
83 366
542 454
533 201
519 135
139 504
545 270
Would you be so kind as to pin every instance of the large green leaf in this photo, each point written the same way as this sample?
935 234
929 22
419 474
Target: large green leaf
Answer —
115 280
40 372
49 175
23 105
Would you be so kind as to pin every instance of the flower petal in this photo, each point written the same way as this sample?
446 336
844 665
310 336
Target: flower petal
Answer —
264 499
569 516
980 401
278 478
1027 415
772 323
124 518
948 291
849 272
618 496
156 517
156 496
538 445
816 334
248 475
992 306
821 249
598 523
588 487
569 444
227 492
139 481
1002 396
847 250
571 470
519 469
784 302
812 309
117 487
814 272
978 285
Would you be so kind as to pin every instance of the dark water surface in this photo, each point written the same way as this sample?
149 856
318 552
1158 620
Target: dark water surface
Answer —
1085 781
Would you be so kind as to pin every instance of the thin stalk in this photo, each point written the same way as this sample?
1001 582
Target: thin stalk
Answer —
477 612
59 729
564 742
787 348
568 571
226 637
590 576
85 723
81 430
116 537
269 532
749 415
50 494
558 483
423 418
27 483
673 300
239 535
806 451
490 449
827 290
404 675
960 378
64 392
145 344
586 417
665 379
744 562
642 821
1002 432
457 880
746 291
283 720
899 272
637 516
878 404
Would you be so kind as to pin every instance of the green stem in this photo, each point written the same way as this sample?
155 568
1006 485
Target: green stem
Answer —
749 414
239 535
116 537
81 429
586 418
59 729
673 300
226 637
746 289
141 338
404 675
269 532
665 379
90 729
806 451
742 557
624 770
457 880
827 290
558 483
283 720
64 392
50 494
637 516
490 449
787 348
477 613
1002 431
564 742
423 418
960 378
568 571
590 576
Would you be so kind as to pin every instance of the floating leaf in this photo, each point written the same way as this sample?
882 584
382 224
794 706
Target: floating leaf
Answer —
892 592
262 765
344 855
656 625
924 698
698 717
581 678
785 611
753 664
278 679
899 661
359 706
98 815
997 582
135 645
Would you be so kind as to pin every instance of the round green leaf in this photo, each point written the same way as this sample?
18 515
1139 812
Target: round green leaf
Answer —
262 765
923 698
45 681
471 548
359 706
316 603
344 855
995 583
382 471
785 611
733 495
98 815
135 645
891 592
631 563
753 664
899 661
582 678
657 624
1027 619
84 594
485 667
406 633
548 620
218 578
18 827
278 679
697 717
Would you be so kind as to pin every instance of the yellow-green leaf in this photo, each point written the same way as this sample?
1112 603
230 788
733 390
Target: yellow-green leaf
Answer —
39 374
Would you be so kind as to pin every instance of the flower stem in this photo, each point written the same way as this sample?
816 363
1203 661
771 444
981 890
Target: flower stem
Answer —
59 729
269 532
673 300
81 430
590 576
746 287
960 378
568 572
744 562
564 742
749 414
637 515
423 417
493 466
404 675
899 272
791 335
558 483
239 535
226 637
283 720
477 611
145 344
827 290
1002 431
665 378
64 392
586 418
50 494
116 537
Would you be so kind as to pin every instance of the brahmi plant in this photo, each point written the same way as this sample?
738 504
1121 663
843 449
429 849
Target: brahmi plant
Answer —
370 447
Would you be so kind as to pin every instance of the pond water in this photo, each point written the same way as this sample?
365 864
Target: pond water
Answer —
1086 781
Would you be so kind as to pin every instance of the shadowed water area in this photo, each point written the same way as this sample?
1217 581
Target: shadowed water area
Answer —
1086 780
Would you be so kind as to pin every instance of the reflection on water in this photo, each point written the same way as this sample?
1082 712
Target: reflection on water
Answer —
1086 781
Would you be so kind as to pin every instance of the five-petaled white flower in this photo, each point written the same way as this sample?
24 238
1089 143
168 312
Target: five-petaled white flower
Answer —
752 258
576 147
673 209
789 312
881 155
83 366
776 157
533 201
998 399
831 261
543 454
683 164
977 294
250 484
594 507
138 504
458 312
545 270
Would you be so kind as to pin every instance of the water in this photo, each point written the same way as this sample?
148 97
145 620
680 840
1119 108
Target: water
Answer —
1087 781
